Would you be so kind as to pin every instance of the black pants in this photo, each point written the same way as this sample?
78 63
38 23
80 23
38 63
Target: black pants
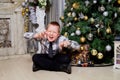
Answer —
43 61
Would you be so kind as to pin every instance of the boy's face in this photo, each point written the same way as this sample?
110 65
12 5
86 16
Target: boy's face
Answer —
52 33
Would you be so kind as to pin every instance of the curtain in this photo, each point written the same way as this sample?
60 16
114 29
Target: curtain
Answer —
56 11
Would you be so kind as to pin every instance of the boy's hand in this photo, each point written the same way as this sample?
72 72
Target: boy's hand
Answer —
64 44
28 35
40 35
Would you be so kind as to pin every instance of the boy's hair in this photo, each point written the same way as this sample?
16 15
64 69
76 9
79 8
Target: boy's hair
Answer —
53 23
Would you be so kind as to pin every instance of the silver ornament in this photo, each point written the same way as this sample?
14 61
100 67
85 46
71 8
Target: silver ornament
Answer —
73 14
105 13
79 62
97 25
94 1
115 15
90 36
78 32
72 34
70 23
71 9
87 2
109 0
108 48
81 15
23 4
102 8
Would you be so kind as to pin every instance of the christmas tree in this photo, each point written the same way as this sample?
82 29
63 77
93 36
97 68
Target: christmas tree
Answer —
93 22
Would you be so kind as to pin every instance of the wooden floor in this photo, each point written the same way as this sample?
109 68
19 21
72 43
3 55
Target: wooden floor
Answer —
20 68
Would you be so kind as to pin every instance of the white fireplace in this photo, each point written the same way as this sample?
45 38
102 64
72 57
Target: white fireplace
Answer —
11 29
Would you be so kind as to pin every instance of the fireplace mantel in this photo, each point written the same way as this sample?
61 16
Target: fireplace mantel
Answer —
9 8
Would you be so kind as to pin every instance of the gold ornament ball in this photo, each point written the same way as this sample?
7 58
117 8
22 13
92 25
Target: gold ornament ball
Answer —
75 5
85 17
26 29
82 48
82 39
26 9
62 17
75 18
23 13
119 9
108 30
100 55
118 1
94 52
69 14
23 9
92 20
66 34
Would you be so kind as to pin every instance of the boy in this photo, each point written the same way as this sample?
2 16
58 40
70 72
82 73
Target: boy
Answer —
51 57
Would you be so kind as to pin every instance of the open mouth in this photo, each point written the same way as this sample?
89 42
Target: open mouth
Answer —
50 37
